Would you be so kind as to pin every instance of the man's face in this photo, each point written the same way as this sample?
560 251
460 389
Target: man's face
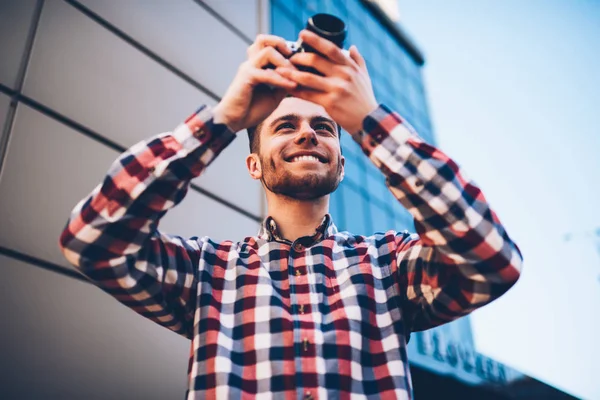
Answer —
299 154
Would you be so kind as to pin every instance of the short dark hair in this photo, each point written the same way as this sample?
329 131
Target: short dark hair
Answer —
254 136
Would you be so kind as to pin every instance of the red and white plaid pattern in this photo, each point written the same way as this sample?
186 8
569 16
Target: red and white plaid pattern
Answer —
327 316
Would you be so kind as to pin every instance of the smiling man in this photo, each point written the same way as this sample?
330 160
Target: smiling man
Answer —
300 310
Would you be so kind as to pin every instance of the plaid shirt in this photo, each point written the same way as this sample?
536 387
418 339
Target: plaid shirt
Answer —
327 316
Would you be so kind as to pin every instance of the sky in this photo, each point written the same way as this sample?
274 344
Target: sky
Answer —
513 89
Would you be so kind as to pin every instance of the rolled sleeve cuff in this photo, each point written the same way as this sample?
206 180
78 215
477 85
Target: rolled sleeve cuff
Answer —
200 130
381 124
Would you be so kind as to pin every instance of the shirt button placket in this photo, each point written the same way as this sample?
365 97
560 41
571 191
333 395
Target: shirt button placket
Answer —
305 344
299 248
300 274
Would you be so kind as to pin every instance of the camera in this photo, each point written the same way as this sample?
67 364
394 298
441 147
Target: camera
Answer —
326 26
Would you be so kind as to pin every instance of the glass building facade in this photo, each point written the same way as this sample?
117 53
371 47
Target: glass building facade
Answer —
363 204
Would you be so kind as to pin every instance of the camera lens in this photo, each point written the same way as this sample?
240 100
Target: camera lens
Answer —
328 27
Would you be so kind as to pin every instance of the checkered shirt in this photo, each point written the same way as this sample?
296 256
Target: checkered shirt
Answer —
325 316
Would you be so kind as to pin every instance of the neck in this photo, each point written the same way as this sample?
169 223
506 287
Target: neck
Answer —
296 218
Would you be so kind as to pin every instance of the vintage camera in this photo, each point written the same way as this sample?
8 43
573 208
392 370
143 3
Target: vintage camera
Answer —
328 27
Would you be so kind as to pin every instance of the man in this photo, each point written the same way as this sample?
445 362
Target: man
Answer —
301 310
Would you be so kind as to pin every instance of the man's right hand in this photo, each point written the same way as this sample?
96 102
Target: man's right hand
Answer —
249 100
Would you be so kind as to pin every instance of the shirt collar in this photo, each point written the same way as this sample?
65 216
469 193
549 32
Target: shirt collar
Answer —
268 230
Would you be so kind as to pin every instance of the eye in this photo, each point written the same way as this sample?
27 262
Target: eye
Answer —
285 125
323 126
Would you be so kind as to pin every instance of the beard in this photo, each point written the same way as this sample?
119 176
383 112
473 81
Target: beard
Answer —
308 186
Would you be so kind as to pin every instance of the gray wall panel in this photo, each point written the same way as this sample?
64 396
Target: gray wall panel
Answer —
183 33
4 104
66 339
50 167
243 14
90 75
15 22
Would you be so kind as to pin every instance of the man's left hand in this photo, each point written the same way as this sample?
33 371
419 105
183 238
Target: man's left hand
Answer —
345 90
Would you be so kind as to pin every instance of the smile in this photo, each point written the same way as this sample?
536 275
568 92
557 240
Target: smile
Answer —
305 158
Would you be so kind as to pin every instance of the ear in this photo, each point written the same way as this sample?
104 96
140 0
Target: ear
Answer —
253 165
343 161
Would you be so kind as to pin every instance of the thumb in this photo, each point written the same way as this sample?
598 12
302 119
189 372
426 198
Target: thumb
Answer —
357 57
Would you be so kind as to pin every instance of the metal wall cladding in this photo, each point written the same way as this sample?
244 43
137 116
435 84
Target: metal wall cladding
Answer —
91 75
124 71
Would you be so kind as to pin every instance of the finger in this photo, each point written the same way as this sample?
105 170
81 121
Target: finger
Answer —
272 78
324 46
307 79
358 58
269 55
264 40
320 63
308 95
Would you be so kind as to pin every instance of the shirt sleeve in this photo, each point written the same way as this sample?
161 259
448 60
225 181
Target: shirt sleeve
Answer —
112 234
461 257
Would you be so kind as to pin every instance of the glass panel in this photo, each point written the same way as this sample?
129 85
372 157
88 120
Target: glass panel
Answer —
350 147
355 208
283 25
403 219
376 182
382 220
355 170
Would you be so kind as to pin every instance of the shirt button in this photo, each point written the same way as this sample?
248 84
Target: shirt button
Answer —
200 133
298 247
418 183
301 308
151 169
308 396
298 273
305 344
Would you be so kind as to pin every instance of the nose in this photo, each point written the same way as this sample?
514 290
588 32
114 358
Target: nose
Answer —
306 134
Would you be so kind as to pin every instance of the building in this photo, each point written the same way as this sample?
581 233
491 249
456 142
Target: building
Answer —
444 359
82 80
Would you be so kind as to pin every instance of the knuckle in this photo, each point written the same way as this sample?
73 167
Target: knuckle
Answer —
271 51
332 52
345 73
251 50
341 87
346 86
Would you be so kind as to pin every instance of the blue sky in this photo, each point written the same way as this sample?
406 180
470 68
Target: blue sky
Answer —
514 94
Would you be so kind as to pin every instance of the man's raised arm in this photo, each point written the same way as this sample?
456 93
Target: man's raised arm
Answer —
461 258
112 234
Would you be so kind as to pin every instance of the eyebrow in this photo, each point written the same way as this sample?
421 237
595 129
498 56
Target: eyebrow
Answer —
296 118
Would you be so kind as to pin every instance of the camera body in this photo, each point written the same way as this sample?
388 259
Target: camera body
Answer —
297 47
326 26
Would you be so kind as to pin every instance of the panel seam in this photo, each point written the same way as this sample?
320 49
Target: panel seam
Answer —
113 145
20 79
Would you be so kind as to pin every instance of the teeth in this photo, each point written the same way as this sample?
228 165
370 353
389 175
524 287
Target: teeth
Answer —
305 158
